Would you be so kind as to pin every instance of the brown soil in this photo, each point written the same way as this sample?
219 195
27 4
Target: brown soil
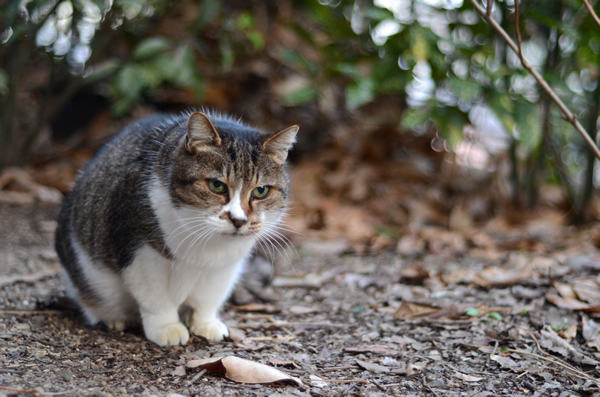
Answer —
336 324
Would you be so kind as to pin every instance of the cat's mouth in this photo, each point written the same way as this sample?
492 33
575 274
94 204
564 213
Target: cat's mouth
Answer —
236 234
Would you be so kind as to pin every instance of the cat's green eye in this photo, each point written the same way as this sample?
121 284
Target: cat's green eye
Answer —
261 192
217 186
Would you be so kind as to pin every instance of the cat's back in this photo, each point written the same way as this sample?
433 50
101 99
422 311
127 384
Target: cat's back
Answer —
108 212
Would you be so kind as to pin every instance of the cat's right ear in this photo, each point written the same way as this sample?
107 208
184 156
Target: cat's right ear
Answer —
200 133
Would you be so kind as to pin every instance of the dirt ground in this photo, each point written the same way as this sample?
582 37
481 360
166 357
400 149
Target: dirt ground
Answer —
414 320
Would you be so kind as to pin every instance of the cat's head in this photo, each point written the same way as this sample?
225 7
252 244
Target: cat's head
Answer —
234 174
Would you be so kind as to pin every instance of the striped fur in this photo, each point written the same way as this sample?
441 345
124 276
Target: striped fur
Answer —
145 233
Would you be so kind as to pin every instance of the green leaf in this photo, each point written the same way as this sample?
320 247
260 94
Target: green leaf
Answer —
245 21
209 11
450 122
494 315
150 48
465 90
360 93
472 312
101 71
529 124
257 40
414 118
130 81
301 96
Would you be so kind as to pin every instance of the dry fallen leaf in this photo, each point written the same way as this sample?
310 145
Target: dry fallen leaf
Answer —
551 341
257 307
311 280
414 310
302 310
569 333
375 349
372 367
467 378
276 361
242 370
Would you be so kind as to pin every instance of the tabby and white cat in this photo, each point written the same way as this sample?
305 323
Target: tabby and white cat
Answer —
164 217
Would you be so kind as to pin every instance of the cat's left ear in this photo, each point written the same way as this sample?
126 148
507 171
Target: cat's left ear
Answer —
278 144
200 133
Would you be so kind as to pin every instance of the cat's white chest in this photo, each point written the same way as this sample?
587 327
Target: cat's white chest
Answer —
201 256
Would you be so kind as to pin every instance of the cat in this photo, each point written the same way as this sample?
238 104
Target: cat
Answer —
164 217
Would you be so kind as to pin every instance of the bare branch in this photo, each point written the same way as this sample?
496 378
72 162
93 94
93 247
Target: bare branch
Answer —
588 4
563 108
518 32
488 11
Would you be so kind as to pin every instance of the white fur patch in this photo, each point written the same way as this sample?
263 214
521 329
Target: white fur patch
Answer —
117 303
234 206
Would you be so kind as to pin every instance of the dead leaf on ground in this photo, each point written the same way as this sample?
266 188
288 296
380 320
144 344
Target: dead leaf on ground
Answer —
414 310
372 367
25 188
493 276
569 333
242 370
311 280
276 361
579 294
257 307
302 310
409 369
505 362
467 378
551 341
376 349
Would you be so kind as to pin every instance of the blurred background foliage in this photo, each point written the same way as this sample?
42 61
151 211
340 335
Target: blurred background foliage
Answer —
430 69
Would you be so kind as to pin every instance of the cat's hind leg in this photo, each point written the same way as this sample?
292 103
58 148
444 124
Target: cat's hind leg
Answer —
148 281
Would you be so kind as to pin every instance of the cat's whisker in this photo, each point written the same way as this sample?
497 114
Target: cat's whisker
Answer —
192 234
186 227
276 244
206 230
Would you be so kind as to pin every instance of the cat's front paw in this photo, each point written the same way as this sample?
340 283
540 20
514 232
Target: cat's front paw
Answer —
213 330
169 335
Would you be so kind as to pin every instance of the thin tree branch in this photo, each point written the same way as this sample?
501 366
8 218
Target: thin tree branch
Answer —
588 4
518 32
570 117
488 11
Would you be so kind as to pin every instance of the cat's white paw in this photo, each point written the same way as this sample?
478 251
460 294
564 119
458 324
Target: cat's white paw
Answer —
213 330
169 334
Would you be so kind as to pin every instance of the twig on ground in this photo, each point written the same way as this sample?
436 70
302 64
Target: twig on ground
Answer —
29 278
377 384
335 380
31 312
286 324
588 4
15 389
578 373
275 338
339 368
197 376
570 117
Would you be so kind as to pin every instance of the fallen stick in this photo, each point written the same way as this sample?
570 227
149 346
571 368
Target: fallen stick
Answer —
577 373
272 338
31 312
335 380
286 324
29 278
15 389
